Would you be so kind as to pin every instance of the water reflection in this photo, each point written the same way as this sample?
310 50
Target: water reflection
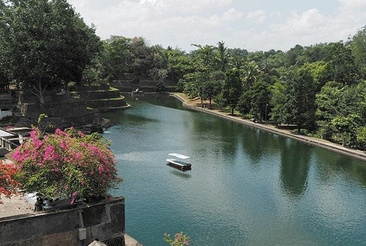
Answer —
335 166
218 138
258 144
295 163
245 185
181 174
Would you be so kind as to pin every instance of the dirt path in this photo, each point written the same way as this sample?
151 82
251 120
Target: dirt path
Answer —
195 104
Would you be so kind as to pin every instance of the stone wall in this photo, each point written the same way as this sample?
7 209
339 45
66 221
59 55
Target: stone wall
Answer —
102 98
77 226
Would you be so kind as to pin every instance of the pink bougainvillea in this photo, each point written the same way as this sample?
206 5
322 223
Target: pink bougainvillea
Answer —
66 163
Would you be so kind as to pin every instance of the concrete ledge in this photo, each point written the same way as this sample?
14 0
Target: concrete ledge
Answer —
129 241
104 220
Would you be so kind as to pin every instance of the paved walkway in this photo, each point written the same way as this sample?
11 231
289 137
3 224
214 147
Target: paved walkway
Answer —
194 104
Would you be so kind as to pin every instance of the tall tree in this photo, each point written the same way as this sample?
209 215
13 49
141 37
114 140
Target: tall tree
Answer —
299 108
232 89
222 57
358 47
212 87
277 101
179 64
341 64
259 95
44 44
117 57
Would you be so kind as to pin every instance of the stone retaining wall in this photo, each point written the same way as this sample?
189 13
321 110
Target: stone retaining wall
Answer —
77 226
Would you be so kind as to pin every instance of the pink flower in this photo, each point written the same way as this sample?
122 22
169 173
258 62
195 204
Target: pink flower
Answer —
73 196
67 160
63 144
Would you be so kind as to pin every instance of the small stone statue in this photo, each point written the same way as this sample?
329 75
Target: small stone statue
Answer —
38 206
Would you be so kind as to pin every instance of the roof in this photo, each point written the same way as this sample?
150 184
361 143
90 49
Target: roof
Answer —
179 156
5 134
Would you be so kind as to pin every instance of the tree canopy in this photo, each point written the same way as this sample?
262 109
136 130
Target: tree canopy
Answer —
44 44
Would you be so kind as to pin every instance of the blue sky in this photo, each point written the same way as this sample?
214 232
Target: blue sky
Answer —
247 24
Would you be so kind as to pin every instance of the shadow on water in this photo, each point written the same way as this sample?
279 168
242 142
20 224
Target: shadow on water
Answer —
295 164
259 144
216 137
333 165
185 175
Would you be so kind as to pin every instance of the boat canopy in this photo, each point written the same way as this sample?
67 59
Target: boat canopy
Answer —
180 156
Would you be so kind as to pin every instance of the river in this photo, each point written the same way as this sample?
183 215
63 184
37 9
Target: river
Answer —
246 186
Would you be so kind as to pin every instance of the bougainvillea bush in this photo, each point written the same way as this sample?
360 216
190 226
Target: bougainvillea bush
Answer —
8 185
180 239
66 163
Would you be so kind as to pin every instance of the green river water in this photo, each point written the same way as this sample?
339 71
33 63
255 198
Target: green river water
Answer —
246 186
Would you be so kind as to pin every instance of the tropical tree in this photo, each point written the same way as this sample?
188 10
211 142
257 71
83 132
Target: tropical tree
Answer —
328 102
44 44
299 108
256 99
221 57
277 101
179 64
358 48
346 127
251 73
143 57
117 58
212 87
341 65
231 89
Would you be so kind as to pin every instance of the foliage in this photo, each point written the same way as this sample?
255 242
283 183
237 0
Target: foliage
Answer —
308 86
299 108
66 163
341 66
277 101
232 89
256 99
358 47
44 44
8 184
180 239
345 127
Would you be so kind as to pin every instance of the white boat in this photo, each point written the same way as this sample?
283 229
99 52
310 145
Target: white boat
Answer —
179 163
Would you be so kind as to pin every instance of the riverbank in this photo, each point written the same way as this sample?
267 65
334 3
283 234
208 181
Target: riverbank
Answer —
195 104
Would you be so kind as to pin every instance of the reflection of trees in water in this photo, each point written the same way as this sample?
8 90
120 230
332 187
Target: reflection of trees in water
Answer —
258 144
332 166
216 137
295 164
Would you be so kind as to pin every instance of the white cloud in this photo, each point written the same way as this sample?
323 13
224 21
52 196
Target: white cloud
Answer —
258 16
191 6
181 23
147 1
232 15
310 21
353 4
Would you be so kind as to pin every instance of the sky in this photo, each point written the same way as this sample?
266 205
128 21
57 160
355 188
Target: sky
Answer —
254 25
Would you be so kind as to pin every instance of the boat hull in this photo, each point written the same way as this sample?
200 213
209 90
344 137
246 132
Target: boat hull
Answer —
180 165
